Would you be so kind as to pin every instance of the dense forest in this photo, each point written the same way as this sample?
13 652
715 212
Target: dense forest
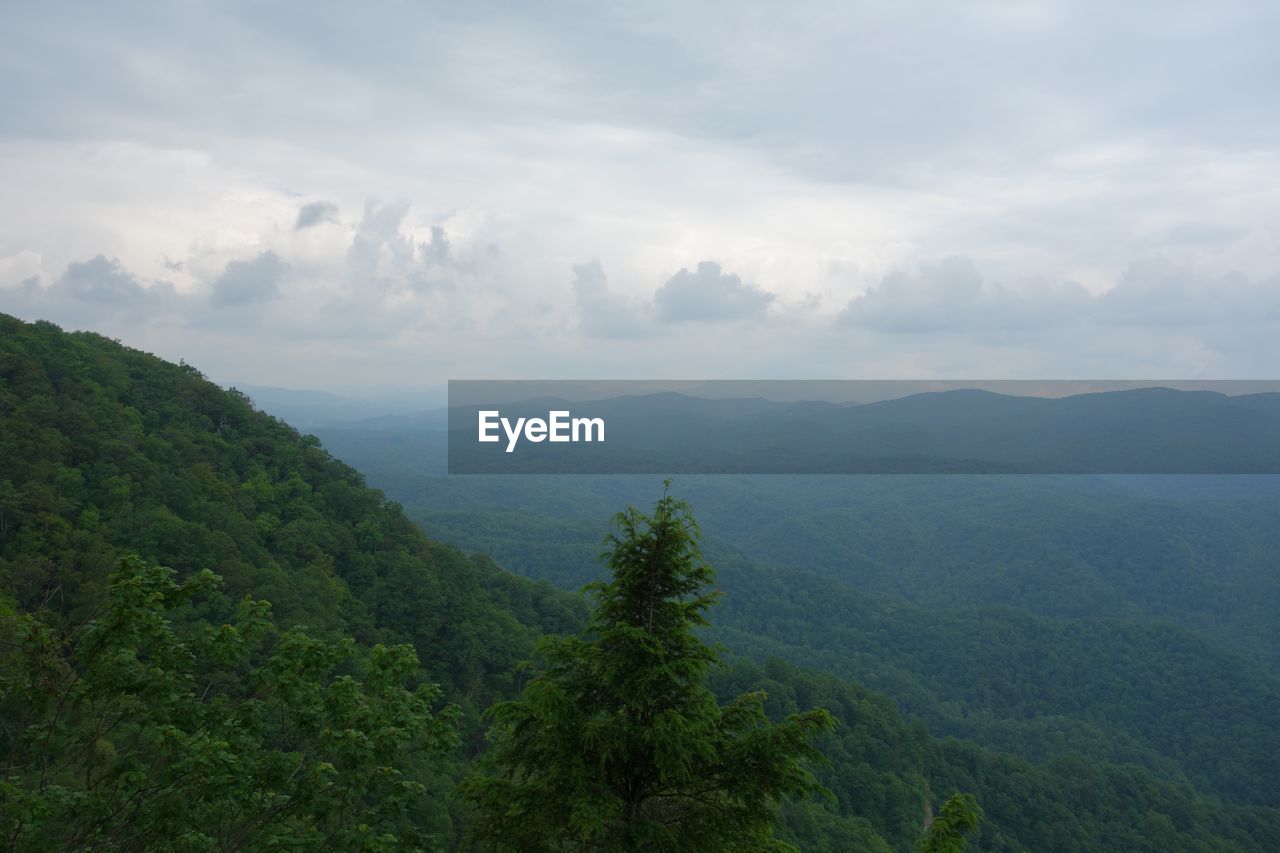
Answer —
215 635
1125 620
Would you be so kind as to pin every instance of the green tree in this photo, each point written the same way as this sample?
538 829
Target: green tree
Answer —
950 829
618 743
138 730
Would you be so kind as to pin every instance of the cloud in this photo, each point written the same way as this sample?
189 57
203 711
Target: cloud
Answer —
249 282
315 213
102 285
101 280
601 312
1158 292
29 287
951 295
435 266
379 248
945 317
92 291
19 268
622 137
437 251
709 295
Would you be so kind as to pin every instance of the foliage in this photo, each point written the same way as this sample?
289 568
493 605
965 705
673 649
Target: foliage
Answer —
1020 683
130 732
885 773
1043 618
106 451
618 743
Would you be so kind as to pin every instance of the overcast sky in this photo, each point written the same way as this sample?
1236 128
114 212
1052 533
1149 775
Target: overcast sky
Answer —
337 195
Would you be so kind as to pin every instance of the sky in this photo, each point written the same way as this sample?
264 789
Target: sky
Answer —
353 196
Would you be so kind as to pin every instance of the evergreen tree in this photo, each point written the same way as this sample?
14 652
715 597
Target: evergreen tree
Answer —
618 743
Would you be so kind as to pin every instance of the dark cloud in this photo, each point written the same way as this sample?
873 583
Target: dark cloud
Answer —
102 280
709 295
247 282
315 213
96 290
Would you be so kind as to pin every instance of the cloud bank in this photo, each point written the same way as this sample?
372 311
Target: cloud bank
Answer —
842 188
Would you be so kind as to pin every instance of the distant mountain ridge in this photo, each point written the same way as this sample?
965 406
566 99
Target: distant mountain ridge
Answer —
305 409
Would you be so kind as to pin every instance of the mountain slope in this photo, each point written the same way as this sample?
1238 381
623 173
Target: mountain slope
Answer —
106 451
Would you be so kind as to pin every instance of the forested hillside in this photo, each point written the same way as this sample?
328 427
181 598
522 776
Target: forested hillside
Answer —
114 464
1122 619
1182 549
107 452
